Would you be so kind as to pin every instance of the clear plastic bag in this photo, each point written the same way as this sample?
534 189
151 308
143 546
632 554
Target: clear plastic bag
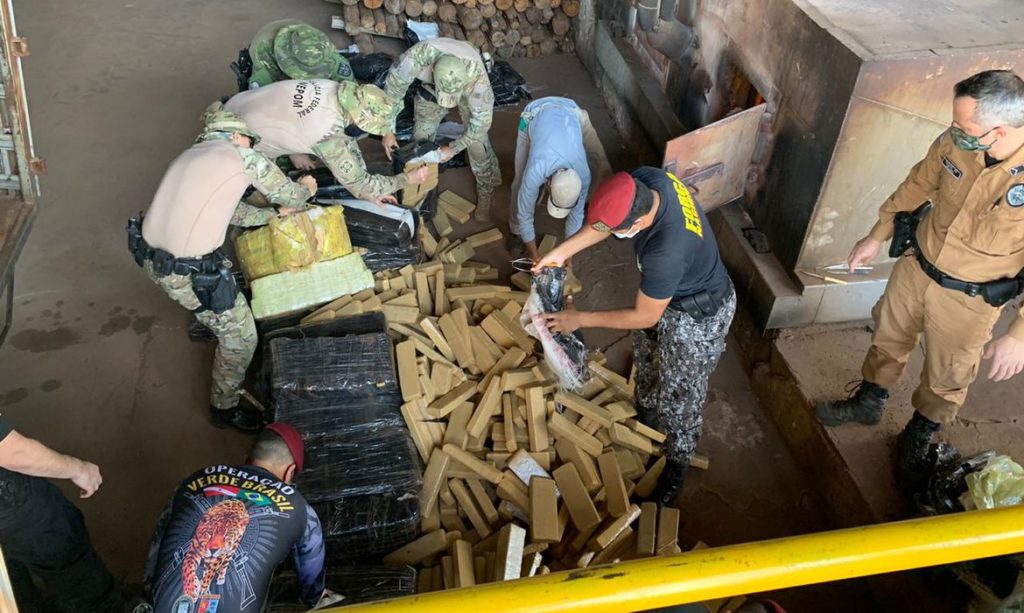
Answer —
999 484
565 354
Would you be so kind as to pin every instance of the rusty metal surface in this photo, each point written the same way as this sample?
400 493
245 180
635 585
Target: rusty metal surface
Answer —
714 161
898 108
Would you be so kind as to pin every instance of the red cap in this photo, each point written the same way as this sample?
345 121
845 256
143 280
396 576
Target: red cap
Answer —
611 202
292 439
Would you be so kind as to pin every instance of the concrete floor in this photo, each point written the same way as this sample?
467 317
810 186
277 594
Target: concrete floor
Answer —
98 363
824 360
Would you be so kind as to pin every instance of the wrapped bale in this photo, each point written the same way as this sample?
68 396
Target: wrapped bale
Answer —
365 528
293 242
319 283
356 583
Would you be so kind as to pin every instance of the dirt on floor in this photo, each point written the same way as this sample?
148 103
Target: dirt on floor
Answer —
98 363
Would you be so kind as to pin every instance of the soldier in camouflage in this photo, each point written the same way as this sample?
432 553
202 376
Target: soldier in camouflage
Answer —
451 74
325 119
182 233
291 49
682 311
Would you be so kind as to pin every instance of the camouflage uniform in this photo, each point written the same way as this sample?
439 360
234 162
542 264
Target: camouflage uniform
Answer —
476 109
291 49
236 336
367 108
674 361
235 328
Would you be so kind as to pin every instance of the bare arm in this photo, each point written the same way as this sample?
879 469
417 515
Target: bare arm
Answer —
30 457
584 239
644 314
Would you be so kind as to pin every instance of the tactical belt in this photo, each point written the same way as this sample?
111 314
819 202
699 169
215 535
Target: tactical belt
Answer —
995 293
212 281
703 304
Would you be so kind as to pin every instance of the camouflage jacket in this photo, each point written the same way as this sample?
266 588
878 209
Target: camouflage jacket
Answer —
340 153
478 98
269 180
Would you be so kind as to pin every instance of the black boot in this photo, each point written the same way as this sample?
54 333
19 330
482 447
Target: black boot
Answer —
244 417
670 484
864 405
913 465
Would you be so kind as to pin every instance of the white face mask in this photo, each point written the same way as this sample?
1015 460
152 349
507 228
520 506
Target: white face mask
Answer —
628 234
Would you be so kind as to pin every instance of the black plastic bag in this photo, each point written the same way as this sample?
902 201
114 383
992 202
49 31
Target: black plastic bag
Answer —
369 526
508 85
565 354
370 67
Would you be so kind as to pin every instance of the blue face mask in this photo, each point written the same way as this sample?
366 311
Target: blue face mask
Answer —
966 142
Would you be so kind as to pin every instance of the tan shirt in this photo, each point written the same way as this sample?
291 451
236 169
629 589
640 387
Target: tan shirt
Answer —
200 191
975 230
290 116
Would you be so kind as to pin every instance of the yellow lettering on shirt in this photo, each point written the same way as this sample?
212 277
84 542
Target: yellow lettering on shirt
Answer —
690 215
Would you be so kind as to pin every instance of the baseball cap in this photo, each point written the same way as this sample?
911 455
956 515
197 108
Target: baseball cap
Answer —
292 439
611 202
564 192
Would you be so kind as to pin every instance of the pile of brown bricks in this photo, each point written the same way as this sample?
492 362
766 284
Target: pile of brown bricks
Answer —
522 478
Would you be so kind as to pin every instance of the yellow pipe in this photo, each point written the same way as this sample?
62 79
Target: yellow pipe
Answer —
749 568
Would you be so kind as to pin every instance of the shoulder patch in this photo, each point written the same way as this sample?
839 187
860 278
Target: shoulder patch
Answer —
1015 195
952 168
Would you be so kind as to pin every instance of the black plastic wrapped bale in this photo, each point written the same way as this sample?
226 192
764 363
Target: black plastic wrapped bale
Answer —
377 457
317 416
508 85
369 67
366 528
566 354
392 257
356 583
349 367
373 231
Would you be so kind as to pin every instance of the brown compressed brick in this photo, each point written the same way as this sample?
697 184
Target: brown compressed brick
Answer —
543 511
483 500
508 560
487 408
462 561
562 427
405 355
469 507
415 420
455 433
616 498
444 405
623 436
612 531
668 530
536 419
645 486
581 508
584 463
433 478
480 467
423 547
647 533
584 407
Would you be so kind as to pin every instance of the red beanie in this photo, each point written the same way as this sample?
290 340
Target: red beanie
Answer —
611 202
292 439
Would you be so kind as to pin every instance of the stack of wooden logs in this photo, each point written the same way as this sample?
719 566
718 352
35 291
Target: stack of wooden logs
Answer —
506 28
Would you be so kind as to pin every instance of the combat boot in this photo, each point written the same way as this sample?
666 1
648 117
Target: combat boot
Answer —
244 417
913 465
670 484
864 405
483 206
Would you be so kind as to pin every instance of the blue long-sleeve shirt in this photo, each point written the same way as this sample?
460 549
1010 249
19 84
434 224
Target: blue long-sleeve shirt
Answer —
556 142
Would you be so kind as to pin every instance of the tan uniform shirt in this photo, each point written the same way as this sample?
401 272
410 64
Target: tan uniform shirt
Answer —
200 192
975 230
305 117
290 116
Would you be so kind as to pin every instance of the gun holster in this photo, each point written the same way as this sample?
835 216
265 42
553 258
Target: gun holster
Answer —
136 245
216 291
242 69
904 233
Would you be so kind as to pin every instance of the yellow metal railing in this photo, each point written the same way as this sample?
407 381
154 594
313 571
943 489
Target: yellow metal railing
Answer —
749 568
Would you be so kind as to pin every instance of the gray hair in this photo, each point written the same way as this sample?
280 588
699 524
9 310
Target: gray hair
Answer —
1000 96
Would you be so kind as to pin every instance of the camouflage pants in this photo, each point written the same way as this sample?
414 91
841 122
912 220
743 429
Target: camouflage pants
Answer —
482 159
674 361
236 337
